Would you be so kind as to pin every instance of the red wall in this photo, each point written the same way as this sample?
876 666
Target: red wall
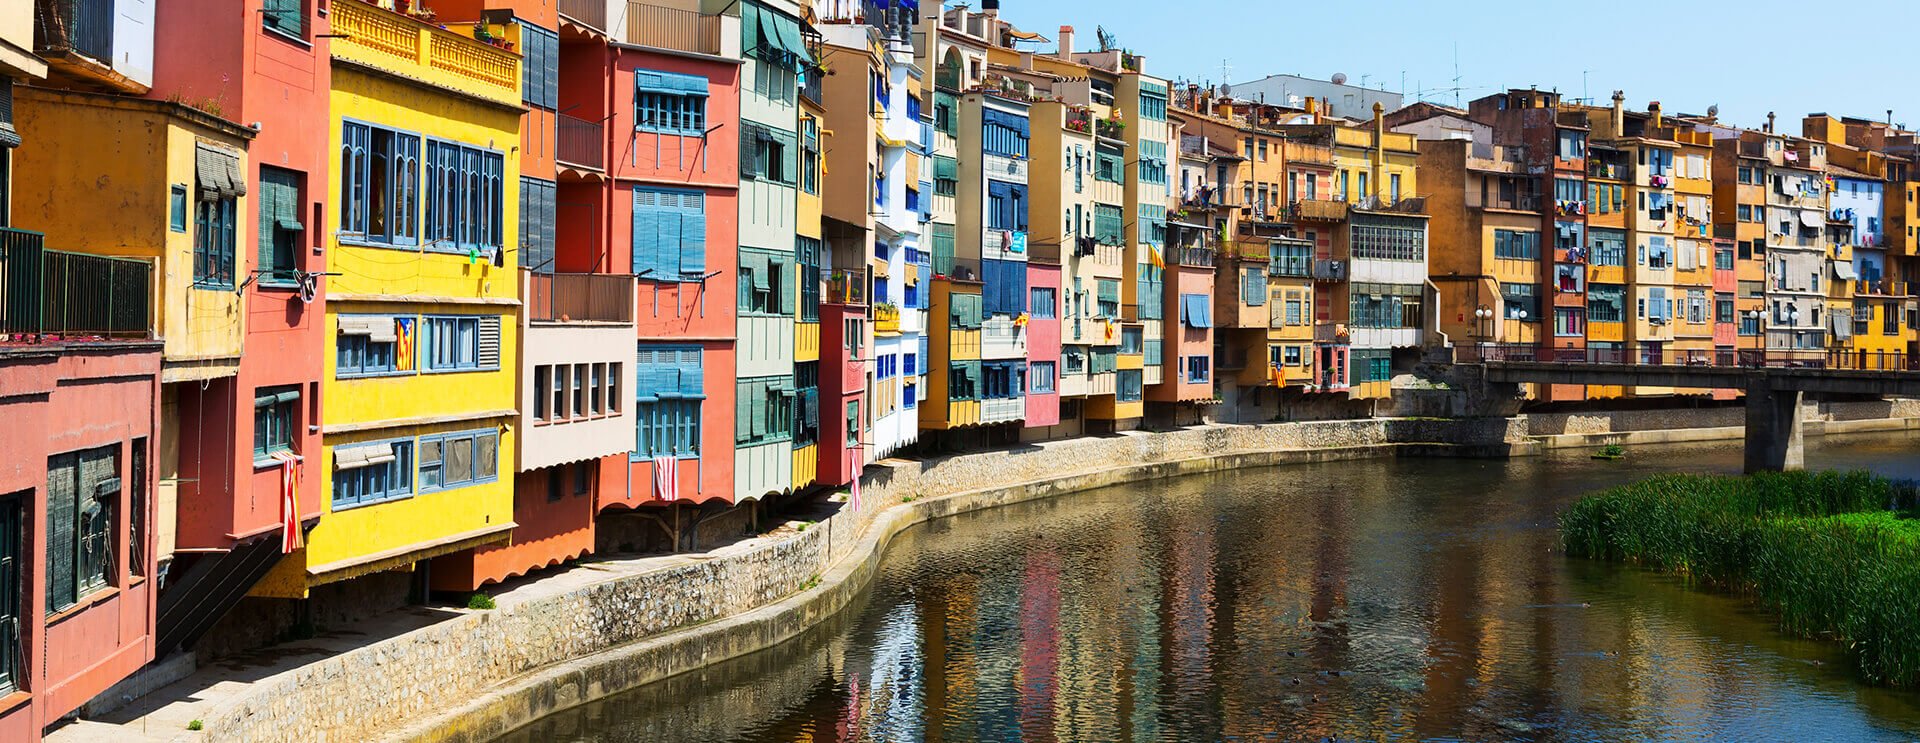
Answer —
843 378
1043 344
679 312
55 403
206 52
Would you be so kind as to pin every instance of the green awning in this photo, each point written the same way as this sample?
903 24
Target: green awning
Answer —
789 31
946 168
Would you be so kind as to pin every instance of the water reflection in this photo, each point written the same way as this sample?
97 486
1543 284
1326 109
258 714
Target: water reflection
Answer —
1392 600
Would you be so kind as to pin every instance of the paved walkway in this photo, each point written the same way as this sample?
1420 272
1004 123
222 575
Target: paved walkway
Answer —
165 714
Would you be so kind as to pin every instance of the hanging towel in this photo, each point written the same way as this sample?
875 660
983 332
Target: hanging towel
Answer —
666 478
290 536
853 463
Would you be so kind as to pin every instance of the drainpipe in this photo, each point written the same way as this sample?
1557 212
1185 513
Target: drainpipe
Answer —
1379 149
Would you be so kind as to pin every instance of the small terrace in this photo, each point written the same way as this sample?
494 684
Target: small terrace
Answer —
57 296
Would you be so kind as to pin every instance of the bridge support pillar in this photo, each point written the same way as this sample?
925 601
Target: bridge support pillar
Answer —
1774 440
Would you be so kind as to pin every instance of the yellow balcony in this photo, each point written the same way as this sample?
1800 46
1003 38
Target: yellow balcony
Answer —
385 40
886 318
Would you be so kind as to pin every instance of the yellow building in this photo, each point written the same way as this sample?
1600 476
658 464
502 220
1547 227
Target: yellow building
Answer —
419 384
953 379
806 328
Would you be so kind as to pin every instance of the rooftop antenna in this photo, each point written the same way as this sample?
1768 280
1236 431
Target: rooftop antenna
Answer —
1226 71
1583 88
1456 74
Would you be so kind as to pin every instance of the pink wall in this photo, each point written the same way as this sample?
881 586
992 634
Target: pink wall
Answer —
1182 341
82 398
843 378
1043 344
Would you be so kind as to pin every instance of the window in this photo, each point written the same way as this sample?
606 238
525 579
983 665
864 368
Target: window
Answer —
668 103
372 472
1153 162
1385 305
457 460
963 379
1573 145
1006 206
944 120
1107 294
1043 303
1520 301
1659 253
369 345
1108 164
810 155
1290 356
1108 225
379 184
1567 237
1130 340
1393 188
273 422
1293 259
964 311
1198 368
539 222
1889 318
669 234
1153 101
1723 309
1513 245
464 195
1253 286
1104 360
763 410
807 250
668 386
1606 303
1723 259
284 17
1152 352
462 343
1609 248
1696 307
1389 238
83 492
766 154
279 225
763 278
1127 386
1750 324
13 582
1003 380
853 423
946 176
176 207
1196 310
540 67
1003 133
1074 360
1041 376
221 183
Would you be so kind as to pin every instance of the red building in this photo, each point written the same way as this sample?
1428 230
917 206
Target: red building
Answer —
845 347
77 563
1043 344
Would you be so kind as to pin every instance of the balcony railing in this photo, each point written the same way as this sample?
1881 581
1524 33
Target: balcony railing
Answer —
408 46
582 143
1194 256
886 318
72 296
580 297
81 26
1318 209
1110 129
1329 270
591 13
672 28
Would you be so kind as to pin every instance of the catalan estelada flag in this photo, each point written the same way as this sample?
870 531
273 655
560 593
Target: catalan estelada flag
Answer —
1153 256
403 343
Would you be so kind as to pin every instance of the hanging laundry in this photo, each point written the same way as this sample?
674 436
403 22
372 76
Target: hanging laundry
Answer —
290 536
666 477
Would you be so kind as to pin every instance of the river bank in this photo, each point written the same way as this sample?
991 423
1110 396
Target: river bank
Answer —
629 624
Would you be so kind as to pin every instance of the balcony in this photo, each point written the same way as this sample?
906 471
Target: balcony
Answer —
1524 202
1319 210
51 294
1607 170
1194 256
1079 120
579 298
83 27
846 287
589 13
1329 270
672 28
388 41
582 143
886 318
1113 129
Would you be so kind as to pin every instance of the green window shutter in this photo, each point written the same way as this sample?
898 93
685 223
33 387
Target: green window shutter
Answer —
759 413
785 285
743 412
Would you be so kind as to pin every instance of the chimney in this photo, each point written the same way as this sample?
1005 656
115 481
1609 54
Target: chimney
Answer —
1379 147
1066 43
1769 122
1313 108
1619 113
1653 108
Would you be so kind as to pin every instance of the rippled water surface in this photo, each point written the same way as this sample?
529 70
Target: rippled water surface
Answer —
1376 600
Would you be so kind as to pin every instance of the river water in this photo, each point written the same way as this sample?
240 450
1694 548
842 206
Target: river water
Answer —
1418 599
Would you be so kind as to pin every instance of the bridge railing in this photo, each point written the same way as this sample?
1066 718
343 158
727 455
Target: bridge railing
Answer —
1665 355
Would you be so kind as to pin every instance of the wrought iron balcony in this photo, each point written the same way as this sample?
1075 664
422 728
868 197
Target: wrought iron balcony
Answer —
83 27
70 296
579 297
672 28
589 13
582 143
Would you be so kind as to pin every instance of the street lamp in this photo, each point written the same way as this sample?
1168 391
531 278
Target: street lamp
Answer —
1482 317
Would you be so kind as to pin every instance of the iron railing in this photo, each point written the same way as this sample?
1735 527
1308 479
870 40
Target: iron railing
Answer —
71 296
580 297
1667 356
846 286
82 26
582 143
591 13
672 28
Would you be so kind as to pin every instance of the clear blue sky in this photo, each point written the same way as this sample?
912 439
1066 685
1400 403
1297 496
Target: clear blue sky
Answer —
1844 57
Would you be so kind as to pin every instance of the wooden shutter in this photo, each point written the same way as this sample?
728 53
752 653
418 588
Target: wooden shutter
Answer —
690 377
693 234
489 357
743 412
666 225
786 285
62 472
645 232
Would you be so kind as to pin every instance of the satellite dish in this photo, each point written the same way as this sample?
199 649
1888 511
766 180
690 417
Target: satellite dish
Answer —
1713 110
1339 78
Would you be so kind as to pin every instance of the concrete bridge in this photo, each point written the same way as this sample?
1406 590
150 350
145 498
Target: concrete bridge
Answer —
1774 381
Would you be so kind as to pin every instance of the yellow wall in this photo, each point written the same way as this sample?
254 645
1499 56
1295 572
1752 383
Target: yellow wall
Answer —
806 465
95 176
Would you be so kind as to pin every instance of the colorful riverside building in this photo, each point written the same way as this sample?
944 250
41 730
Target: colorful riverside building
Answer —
1870 210
80 373
419 400
774 54
267 67
810 246
1061 254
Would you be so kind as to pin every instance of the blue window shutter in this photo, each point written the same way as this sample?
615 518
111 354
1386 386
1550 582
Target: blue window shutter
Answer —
693 243
690 377
641 243
667 245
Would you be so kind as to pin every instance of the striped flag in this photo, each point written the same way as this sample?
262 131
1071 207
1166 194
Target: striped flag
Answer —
853 463
290 537
666 477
